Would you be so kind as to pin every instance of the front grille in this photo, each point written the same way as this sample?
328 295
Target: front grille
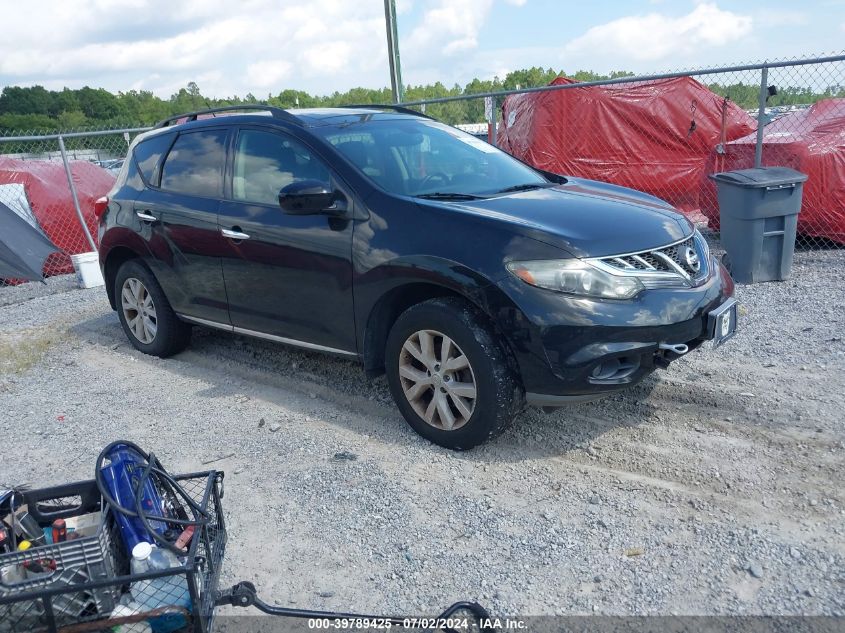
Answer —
676 261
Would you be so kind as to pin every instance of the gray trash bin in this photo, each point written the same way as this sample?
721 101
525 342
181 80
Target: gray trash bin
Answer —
758 214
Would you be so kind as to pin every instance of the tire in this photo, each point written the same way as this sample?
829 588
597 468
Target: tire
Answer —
155 330
423 387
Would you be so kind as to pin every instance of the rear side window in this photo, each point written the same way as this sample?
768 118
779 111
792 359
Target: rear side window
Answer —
195 164
148 154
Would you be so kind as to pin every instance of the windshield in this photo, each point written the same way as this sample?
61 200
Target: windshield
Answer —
418 157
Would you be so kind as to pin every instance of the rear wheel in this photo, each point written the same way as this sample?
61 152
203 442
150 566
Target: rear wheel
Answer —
145 314
449 374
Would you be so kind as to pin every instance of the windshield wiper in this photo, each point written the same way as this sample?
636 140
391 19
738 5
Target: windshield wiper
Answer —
527 187
448 195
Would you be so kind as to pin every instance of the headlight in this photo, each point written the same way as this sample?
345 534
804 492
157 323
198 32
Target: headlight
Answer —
577 277
704 249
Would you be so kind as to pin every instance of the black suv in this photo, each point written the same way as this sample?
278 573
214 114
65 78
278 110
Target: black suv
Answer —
478 283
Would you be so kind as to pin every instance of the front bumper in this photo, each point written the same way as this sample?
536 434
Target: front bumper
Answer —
572 349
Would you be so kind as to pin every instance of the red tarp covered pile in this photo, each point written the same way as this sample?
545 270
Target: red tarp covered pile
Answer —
47 191
652 136
811 141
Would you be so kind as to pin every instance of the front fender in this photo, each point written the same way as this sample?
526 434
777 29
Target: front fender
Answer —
384 292
420 268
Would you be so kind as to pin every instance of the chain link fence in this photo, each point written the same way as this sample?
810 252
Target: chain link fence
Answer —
664 134
52 182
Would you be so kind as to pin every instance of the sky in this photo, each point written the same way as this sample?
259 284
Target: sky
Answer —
231 47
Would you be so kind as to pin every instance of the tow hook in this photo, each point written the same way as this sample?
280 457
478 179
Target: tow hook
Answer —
678 349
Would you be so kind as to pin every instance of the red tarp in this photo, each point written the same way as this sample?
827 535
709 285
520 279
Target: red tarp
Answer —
813 142
49 197
637 135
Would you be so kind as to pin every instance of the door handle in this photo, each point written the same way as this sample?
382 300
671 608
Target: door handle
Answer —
234 234
146 217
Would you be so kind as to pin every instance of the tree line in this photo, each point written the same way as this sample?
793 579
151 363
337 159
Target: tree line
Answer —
31 109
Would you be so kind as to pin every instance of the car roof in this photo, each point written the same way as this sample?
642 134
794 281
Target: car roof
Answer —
314 117
301 117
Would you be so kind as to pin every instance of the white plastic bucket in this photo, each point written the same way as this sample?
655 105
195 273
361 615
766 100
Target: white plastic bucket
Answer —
87 267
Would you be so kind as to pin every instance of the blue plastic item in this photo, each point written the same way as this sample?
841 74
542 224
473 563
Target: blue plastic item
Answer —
122 477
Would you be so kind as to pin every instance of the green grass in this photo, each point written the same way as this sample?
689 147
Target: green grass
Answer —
24 349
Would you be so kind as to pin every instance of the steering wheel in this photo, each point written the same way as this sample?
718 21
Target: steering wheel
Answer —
438 175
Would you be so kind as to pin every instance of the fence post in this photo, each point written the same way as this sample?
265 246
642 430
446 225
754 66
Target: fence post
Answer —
762 119
74 196
494 129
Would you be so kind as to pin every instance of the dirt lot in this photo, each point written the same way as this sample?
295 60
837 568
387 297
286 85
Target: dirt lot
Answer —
719 491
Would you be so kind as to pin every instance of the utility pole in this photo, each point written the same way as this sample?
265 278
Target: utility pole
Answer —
393 51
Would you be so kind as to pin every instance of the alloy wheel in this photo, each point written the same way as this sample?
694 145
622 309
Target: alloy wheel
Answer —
437 379
139 310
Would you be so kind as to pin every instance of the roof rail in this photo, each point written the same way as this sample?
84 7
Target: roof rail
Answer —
278 113
389 106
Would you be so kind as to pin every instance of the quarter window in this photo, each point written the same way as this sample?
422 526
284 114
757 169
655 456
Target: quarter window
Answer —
148 153
195 164
266 162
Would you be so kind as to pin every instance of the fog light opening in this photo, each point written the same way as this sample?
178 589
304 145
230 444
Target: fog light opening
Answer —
614 369
605 370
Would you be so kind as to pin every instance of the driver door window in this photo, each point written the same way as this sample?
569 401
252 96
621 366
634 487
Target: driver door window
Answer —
266 162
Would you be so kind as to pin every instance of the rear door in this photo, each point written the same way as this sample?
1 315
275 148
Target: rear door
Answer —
178 213
287 276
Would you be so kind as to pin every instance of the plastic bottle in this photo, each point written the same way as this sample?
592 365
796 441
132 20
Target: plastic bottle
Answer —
169 591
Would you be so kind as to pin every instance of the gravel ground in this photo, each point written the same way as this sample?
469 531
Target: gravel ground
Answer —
713 488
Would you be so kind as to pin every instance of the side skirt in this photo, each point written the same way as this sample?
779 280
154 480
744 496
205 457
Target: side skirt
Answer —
268 337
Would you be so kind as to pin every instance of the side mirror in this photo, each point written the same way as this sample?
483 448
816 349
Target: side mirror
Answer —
306 197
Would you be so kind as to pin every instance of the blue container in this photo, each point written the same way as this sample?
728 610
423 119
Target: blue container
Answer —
122 477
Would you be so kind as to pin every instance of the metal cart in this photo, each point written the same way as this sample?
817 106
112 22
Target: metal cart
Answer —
80 585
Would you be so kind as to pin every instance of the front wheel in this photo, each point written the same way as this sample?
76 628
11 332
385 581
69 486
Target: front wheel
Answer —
449 374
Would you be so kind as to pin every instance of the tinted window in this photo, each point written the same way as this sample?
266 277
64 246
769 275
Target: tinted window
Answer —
266 162
149 152
195 164
417 156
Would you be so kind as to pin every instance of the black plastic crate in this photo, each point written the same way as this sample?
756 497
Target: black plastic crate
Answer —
92 574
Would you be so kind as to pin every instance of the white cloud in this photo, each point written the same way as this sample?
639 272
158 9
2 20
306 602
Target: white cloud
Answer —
330 58
268 73
448 28
183 51
264 46
161 44
656 36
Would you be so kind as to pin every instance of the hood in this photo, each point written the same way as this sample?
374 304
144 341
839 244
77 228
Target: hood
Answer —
586 217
